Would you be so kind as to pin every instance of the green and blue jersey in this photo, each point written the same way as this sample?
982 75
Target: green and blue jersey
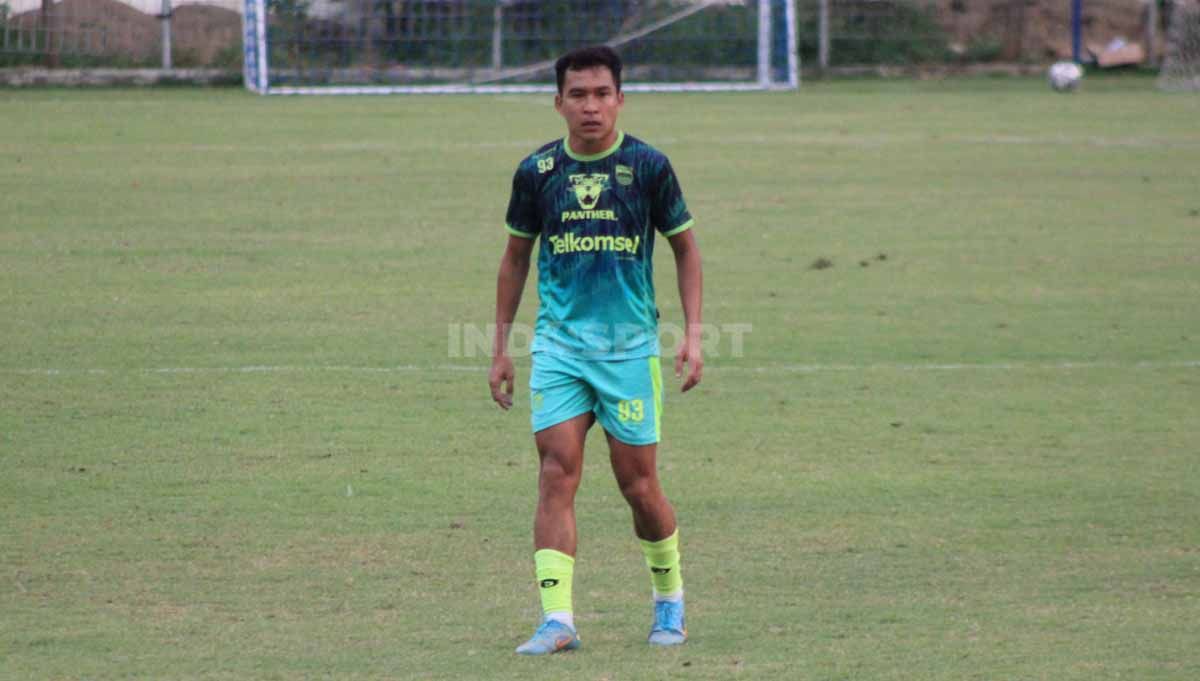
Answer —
596 216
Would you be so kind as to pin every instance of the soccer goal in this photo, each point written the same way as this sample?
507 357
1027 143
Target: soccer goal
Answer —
501 46
1181 64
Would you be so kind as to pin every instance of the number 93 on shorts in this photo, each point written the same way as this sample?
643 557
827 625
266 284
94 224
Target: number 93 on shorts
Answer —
625 394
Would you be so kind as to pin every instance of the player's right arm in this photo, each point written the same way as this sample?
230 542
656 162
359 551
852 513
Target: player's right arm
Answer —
514 269
522 225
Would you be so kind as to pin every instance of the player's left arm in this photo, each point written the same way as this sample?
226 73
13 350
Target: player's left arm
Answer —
691 294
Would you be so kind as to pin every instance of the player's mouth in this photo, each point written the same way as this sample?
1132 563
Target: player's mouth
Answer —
591 126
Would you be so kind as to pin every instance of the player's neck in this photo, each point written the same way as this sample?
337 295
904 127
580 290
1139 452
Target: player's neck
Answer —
582 147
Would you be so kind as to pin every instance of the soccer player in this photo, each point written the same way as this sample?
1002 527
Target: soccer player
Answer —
595 199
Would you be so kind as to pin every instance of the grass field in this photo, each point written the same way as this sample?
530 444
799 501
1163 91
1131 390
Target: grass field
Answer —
236 444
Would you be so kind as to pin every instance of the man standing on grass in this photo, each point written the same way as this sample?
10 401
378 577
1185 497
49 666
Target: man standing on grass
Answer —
596 199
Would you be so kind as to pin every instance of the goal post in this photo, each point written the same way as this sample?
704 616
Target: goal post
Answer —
1181 63
509 46
254 46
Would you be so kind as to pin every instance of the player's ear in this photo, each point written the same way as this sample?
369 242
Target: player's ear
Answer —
558 102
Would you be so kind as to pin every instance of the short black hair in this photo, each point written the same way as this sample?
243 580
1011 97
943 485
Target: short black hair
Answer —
586 58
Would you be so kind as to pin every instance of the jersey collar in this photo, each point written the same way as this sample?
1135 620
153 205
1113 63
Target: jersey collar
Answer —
594 157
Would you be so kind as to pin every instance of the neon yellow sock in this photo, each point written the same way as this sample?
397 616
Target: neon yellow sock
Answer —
554 571
662 557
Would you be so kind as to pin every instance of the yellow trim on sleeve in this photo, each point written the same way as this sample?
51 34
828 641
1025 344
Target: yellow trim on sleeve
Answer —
516 232
680 228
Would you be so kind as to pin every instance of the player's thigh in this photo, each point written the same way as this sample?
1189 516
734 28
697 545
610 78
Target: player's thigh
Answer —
560 450
629 399
558 392
634 466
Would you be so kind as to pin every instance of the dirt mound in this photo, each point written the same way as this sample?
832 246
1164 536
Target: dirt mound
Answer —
207 36
1037 30
200 35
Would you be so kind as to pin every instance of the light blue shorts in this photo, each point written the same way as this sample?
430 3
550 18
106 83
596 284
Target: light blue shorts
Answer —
625 394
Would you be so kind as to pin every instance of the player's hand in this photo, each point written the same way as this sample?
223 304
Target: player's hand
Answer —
689 355
501 379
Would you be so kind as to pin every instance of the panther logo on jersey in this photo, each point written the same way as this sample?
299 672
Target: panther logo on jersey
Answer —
588 188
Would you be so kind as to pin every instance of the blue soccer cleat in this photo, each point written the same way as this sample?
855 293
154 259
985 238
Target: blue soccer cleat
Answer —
668 629
552 637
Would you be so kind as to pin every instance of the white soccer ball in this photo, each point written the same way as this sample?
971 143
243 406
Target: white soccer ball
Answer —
1064 76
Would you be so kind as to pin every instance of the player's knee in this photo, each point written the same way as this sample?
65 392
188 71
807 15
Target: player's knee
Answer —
558 477
640 490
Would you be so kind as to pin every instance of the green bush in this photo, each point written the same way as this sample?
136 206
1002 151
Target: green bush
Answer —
877 32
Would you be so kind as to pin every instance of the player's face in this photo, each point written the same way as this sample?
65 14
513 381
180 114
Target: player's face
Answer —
590 102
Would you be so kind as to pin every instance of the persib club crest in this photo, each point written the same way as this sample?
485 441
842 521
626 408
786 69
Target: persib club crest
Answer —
624 175
588 188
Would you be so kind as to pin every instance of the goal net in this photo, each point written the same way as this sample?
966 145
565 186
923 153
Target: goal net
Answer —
1181 63
451 46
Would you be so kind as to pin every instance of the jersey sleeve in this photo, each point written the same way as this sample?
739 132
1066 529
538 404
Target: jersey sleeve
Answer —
522 218
668 211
